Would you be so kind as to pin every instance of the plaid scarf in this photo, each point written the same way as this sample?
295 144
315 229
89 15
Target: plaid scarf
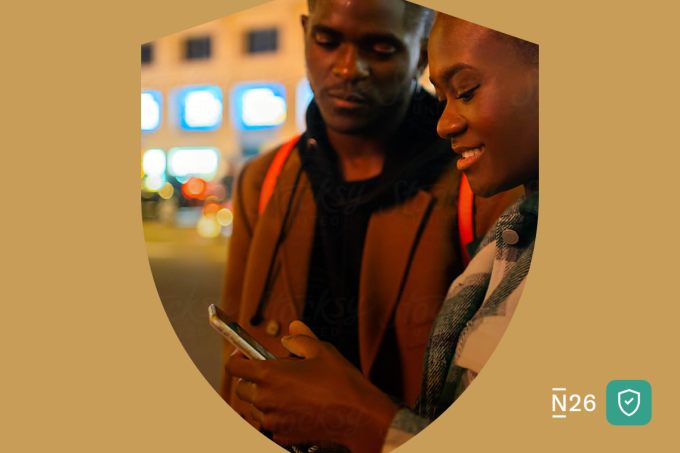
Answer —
477 310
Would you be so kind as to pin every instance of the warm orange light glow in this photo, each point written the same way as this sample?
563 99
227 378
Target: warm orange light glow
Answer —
211 209
194 188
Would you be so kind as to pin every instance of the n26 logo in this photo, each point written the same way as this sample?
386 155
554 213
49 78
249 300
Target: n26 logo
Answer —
559 401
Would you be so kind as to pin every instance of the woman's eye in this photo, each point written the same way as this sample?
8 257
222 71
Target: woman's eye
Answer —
467 95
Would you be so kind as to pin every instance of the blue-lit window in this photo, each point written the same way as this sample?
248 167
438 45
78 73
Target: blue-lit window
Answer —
258 106
200 108
152 101
303 96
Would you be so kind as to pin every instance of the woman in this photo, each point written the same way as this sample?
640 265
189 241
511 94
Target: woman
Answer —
489 82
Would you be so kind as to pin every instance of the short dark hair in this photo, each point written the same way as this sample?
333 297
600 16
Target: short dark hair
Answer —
414 16
528 51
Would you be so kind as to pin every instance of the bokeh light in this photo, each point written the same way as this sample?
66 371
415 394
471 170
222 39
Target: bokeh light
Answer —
225 217
167 191
211 209
194 188
154 183
154 162
208 228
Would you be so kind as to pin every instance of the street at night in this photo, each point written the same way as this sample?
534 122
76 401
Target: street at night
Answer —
188 271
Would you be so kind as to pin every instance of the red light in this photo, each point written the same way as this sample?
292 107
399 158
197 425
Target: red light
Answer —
194 188
211 209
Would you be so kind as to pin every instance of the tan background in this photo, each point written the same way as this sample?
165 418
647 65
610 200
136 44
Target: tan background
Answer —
90 361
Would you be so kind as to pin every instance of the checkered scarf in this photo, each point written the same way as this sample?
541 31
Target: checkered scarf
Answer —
473 318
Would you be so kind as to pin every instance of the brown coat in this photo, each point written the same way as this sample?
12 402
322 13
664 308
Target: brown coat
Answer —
411 255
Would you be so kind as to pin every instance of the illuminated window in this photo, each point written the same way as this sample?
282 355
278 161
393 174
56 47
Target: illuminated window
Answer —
198 48
260 41
151 110
200 108
259 106
303 96
154 162
185 163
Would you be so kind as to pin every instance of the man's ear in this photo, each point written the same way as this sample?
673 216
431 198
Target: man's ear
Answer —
303 20
423 60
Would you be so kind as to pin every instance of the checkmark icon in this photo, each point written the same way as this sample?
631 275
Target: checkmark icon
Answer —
629 401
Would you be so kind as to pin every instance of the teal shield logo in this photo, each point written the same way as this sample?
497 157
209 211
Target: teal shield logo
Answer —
629 401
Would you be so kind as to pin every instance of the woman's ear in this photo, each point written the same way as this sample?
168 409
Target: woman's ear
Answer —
303 21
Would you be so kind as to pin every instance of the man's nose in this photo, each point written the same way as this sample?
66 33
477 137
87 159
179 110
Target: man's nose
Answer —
451 124
349 65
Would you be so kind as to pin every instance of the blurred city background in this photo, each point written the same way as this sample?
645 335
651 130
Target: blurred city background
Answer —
212 97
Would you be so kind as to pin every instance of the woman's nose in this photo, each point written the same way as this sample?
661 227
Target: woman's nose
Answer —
451 124
349 64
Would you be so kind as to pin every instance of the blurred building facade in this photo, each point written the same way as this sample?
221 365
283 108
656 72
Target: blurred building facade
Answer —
262 44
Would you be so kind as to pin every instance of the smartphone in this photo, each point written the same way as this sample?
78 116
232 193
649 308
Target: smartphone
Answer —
237 335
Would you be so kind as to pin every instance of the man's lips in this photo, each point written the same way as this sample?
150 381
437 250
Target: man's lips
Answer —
345 99
468 156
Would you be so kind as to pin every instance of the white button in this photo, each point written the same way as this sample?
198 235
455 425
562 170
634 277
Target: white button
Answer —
272 328
510 237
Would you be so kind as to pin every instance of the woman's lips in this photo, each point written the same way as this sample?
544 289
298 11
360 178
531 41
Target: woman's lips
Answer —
469 157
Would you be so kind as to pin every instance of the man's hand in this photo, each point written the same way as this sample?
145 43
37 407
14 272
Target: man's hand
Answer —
320 398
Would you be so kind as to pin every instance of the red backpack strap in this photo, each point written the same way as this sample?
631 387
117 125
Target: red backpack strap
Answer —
273 172
466 223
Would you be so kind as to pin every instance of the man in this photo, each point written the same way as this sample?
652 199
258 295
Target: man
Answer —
360 236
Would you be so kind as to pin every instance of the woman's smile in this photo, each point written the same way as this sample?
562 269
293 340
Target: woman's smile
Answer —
469 156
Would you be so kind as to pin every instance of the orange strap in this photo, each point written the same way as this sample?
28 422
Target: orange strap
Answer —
466 224
273 172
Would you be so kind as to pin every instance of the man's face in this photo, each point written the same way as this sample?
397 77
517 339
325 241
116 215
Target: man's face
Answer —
491 95
362 60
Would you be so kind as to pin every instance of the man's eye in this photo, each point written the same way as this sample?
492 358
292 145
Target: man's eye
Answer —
468 95
326 41
384 49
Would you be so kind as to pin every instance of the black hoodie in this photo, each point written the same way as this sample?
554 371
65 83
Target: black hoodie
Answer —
416 159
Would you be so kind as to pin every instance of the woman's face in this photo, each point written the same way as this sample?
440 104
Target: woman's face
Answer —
491 95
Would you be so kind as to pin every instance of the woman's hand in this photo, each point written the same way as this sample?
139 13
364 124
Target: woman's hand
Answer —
320 398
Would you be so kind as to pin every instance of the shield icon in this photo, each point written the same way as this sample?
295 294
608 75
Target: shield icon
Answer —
630 400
